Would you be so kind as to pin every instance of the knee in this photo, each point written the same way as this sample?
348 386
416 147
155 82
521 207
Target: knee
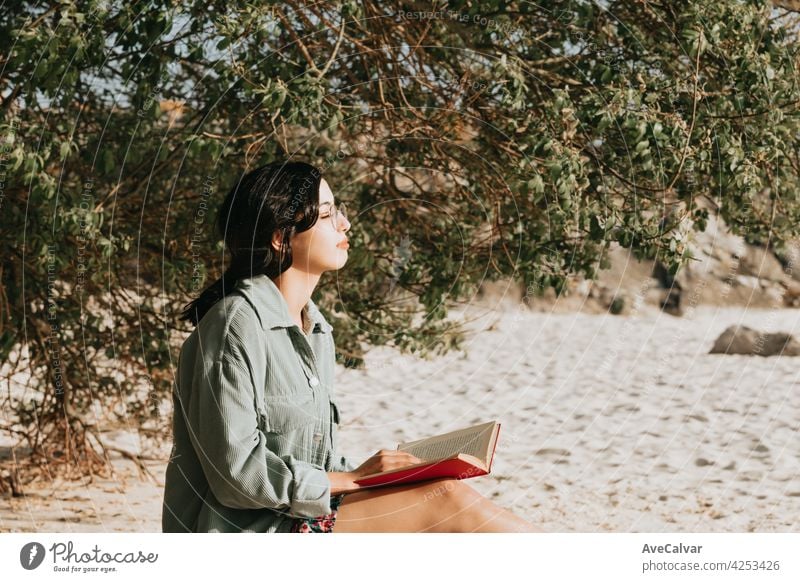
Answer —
452 492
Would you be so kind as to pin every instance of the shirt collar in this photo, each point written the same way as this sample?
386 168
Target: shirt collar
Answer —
271 307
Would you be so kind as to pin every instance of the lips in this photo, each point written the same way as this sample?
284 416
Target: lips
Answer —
344 244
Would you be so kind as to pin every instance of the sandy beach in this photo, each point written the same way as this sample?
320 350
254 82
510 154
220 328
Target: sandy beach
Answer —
609 423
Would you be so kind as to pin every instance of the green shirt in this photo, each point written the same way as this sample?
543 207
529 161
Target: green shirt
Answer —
255 417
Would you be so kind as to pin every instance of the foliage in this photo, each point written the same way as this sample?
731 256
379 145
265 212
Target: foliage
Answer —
475 141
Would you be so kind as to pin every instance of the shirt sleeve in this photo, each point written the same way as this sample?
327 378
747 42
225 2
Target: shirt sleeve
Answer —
242 472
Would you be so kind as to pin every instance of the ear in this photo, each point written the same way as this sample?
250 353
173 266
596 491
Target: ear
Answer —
277 237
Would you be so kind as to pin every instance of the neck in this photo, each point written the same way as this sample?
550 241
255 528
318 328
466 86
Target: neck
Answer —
296 288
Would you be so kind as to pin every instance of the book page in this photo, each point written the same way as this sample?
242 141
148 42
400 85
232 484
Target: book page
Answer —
472 441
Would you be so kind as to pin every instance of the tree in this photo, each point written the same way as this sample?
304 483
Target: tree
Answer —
475 141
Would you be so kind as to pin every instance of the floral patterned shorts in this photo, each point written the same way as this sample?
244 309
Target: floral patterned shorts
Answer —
320 524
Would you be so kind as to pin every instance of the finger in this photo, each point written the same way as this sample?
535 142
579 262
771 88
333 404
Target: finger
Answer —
388 454
398 463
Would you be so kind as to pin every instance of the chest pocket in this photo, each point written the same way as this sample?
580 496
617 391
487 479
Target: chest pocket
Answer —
289 377
282 415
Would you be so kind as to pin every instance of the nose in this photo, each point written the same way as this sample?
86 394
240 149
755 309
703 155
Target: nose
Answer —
344 224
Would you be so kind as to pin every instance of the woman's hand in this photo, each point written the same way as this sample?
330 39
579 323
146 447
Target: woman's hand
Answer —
385 460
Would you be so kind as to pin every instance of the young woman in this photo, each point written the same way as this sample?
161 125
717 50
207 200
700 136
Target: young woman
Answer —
255 412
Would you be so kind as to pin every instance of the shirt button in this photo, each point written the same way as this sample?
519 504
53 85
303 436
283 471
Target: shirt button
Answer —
313 381
317 437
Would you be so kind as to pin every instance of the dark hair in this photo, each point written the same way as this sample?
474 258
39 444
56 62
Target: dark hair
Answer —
278 196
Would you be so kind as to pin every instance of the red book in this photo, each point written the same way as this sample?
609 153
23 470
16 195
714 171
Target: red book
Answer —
460 454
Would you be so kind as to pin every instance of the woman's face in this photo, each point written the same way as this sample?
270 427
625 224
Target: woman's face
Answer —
316 250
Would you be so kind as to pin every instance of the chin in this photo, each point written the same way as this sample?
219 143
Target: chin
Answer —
341 262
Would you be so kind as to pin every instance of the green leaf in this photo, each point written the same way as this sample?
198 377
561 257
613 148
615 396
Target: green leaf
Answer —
107 161
536 184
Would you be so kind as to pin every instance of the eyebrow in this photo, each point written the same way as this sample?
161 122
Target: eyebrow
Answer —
328 203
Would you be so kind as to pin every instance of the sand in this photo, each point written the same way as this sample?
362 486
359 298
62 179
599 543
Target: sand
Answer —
609 423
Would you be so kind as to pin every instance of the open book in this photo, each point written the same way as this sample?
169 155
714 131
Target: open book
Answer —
460 454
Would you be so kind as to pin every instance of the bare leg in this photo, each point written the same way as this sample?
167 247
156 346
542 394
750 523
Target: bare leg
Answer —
441 505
